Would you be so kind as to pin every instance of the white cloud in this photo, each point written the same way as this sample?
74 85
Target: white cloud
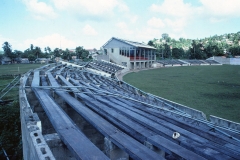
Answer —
176 8
90 7
121 25
40 10
123 28
134 18
175 15
156 22
89 31
122 7
177 24
222 8
148 33
53 41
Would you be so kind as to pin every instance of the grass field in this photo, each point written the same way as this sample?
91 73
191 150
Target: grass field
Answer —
215 90
13 69
17 68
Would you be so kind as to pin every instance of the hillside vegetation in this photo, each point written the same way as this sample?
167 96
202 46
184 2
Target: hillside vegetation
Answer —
215 90
227 44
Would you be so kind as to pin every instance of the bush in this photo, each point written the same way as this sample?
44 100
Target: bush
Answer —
10 126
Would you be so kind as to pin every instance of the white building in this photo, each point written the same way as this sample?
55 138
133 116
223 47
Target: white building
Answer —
133 55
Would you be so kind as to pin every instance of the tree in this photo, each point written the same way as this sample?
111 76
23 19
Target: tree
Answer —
31 57
84 54
7 48
8 51
26 53
45 49
56 52
150 43
49 49
66 55
79 51
37 51
31 47
198 50
18 53
177 53
1 57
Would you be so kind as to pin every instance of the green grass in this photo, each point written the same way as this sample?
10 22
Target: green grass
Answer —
13 69
17 68
215 90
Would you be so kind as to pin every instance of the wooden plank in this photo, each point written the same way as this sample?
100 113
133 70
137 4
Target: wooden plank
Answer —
122 140
36 79
186 133
66 129
146 122
192 127
167 132
181 152
216 138
135 149
201 149
173 149
51 79
218 146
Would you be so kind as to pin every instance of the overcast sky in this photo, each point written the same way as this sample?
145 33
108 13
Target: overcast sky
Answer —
91 23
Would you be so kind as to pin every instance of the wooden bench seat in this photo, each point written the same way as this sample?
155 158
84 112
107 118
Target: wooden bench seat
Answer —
135 149
72 137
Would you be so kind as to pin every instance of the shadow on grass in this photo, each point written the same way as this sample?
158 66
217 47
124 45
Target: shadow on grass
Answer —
229 96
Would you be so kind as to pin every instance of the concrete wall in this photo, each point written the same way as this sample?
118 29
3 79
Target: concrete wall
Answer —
103 57
224 123
224 60
34 144
235 61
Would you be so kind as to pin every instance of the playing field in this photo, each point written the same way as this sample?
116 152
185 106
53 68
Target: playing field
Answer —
215 90
8 73
17 68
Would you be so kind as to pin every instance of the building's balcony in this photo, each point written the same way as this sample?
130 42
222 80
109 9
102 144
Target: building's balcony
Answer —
138 58
141 58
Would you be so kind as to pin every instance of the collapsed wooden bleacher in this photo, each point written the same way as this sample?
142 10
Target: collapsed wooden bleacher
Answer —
138 124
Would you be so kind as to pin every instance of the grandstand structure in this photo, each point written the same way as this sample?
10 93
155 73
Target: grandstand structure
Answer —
133 55
82 111
189 62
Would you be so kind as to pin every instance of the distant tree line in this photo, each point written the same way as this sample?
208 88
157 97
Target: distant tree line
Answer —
34 52
224 45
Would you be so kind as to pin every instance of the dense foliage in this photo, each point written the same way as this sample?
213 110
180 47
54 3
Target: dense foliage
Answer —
227 44
10 126
34 52
10 136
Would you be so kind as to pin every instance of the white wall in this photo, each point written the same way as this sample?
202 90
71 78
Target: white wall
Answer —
116 57
223 60
235 61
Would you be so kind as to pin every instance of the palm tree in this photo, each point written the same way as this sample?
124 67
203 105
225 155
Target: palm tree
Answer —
7 48
49 49
37 51
31 47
